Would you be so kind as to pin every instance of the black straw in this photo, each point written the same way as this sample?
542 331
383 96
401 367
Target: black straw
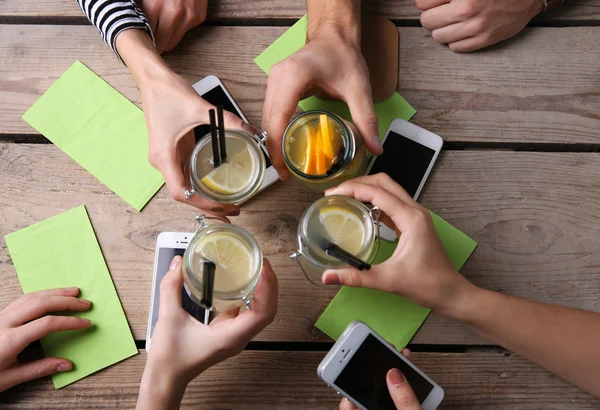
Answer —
215 139
346 257
222 133
208 283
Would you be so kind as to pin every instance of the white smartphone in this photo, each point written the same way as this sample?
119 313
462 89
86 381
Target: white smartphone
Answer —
213 90
356 367
409 153
168 245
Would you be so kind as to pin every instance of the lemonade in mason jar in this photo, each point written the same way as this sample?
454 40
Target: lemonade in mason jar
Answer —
323 150
233 181
339 220
237 262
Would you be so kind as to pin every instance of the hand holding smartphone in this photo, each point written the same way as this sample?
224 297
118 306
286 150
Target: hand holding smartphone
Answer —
357 365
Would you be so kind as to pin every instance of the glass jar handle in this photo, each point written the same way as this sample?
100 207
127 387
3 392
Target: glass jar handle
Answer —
189 190
375 213
298 256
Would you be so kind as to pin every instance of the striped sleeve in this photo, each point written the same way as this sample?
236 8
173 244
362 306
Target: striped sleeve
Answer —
111 17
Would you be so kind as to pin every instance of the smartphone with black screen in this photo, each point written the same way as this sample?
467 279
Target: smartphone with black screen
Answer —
409 154
357 365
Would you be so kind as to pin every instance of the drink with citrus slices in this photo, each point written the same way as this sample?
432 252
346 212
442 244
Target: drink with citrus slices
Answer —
340 220
322 150
234 181
238 261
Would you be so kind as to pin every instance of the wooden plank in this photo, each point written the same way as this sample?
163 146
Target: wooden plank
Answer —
534 215
514 94
288 380
280 9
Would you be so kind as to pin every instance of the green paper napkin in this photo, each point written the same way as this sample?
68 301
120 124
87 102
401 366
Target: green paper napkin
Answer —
393 317
60 252
293 40
101 130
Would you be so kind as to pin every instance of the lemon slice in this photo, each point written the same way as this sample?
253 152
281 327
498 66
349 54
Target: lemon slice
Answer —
343 227
234 175
231 256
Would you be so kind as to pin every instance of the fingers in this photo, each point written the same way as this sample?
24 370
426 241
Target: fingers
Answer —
442 16
407 353
399 211
286 85
346 404
402 394
40 306
429 4
36 329
170 289
166 25
360 102
384 181
457 32
178 32
470 44
26 299
353 277
33 370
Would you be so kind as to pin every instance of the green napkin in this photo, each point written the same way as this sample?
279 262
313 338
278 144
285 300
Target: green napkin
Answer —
60 252
393 317
293 40
101 130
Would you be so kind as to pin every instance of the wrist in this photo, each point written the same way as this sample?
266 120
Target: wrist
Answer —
160 388
139 54
338 19
461 299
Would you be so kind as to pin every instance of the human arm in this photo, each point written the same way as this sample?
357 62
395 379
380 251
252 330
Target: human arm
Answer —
329 64
563 340
26 320
176 358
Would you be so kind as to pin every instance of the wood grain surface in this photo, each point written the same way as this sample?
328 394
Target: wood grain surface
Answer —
514 94
278 380
535 216
268 10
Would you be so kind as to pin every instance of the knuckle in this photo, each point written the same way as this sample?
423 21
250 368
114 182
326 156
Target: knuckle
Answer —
383 178
467 9
355 279
44 370
177 195
479 26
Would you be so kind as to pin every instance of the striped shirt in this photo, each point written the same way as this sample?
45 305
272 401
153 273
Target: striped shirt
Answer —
111 17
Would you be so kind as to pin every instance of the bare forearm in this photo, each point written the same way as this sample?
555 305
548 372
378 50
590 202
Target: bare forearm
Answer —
341 16
139 54
563 340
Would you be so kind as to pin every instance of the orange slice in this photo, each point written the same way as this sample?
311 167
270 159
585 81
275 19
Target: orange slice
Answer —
310 161
321 158
327 140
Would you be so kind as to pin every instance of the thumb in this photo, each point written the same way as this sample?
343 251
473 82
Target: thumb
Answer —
402 394
364 116
170 288
33 370
352 277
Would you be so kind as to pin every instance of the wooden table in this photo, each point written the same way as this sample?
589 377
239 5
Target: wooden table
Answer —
520 174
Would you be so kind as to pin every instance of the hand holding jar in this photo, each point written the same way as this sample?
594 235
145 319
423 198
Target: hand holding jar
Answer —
419 269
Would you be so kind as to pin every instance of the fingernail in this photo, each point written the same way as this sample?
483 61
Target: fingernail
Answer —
235 212
85 302
71 289
395 377
377 142
64 367
175 263
331 279
86 321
